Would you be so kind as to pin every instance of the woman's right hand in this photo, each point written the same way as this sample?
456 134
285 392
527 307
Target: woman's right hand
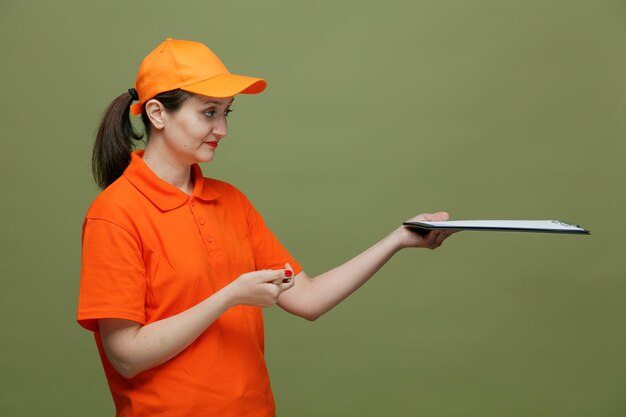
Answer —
260 288
132 347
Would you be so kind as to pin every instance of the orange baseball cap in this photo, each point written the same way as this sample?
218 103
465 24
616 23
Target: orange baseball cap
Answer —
190 66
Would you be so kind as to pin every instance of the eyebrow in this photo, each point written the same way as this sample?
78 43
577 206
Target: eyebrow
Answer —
213 101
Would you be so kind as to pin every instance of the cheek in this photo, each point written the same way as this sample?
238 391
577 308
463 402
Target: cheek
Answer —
198 127
192 128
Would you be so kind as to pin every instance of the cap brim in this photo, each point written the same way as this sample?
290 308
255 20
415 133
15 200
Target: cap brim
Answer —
227 85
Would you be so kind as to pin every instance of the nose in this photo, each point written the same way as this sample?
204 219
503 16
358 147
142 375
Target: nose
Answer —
220 128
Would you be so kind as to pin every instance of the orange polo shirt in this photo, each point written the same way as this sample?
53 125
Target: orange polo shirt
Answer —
151 251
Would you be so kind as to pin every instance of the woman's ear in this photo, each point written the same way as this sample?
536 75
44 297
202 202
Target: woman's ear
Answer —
155 112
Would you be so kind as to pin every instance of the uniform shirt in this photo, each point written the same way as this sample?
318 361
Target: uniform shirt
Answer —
151 251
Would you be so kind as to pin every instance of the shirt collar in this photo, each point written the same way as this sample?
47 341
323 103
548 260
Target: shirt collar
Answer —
161 193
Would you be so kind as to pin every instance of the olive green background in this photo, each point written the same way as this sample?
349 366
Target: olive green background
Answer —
374 112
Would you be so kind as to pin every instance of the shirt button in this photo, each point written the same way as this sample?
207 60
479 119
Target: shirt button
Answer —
201 221
209 239
214 256
193 203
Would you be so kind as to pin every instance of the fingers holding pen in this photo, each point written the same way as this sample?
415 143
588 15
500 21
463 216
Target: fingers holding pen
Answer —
260 288
286 280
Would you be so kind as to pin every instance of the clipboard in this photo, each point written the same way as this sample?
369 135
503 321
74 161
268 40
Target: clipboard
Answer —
532 226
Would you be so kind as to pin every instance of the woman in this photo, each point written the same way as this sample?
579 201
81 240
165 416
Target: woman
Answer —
176 266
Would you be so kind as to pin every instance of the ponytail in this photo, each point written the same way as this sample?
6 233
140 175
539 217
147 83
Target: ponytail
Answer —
114 142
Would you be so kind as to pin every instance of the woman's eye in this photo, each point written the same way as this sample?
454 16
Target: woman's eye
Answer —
212 113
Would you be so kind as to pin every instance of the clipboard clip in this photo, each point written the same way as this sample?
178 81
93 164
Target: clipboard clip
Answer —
565 224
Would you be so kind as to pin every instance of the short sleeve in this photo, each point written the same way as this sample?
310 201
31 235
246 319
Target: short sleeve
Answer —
269 253
112 279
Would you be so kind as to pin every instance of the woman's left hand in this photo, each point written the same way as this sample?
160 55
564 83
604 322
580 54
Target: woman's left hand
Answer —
310 298
432 240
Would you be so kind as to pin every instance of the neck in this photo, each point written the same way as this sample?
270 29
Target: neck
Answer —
168 169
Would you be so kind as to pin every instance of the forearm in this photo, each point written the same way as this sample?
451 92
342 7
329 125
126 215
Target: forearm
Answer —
132 348
312 297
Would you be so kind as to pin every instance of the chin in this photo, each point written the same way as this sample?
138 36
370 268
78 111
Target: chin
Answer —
205 157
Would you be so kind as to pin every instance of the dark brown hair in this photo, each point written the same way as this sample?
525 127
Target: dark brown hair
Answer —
114 140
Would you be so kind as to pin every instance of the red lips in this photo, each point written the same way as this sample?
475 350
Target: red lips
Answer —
212 144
